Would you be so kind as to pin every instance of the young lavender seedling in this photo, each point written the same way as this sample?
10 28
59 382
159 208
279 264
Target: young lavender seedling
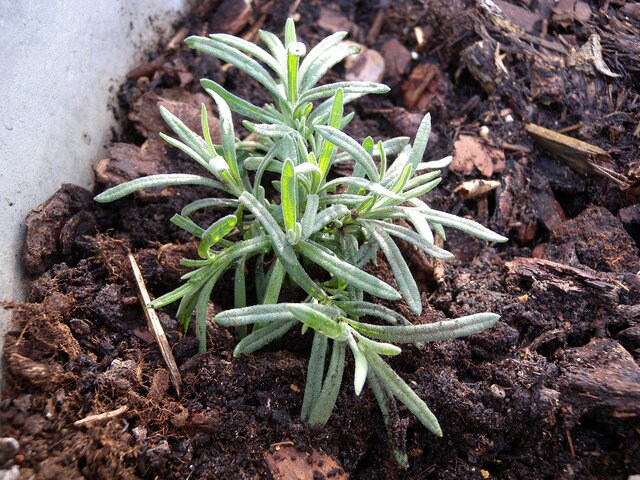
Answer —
306 218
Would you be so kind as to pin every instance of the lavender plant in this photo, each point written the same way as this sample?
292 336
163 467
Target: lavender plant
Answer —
337 224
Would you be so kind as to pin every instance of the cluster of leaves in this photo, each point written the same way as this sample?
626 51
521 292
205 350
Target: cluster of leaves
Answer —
337 224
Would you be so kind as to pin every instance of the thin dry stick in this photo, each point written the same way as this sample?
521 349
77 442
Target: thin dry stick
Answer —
154 325
101 416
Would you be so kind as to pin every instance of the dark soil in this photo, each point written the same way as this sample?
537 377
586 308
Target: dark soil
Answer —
551 391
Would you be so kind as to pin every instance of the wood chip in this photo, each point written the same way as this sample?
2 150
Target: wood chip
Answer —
581 156
396 57
154 325
367 66
231 16
476 188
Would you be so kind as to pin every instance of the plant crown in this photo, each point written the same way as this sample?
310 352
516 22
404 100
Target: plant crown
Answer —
338 224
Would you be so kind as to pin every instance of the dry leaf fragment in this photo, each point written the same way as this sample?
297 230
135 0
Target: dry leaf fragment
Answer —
589 56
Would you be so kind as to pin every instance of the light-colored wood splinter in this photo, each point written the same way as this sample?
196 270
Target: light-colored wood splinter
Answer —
153 323
98 417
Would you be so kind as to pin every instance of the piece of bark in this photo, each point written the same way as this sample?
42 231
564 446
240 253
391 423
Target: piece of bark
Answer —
599 241
333 21
290 463
523 17
480 60
396 58
46 222
231 16
601 376
548 84
565 279
46 376
470 152
565 12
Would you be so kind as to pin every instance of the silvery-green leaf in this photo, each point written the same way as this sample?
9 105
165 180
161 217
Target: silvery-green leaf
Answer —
462 224
318 321
413 238
348 200
321 411
289 195
420 142
309 217
422 179
322 112
186 149
403 392
263 336
162 180
227 134
316 52
334 121
323 91
251 49
208 202
201 313
380 348
346 271
275 277
434 164
270 164
283 249
389 413
306 168
266 314
361 365
348 144
428 332
393 146
362 183
327 216
367 252
238 59
419 223
194 141
316 69
422 189
214 233
397 167
315 372
374 310
187 225
406 283
238 104
269 130
274 45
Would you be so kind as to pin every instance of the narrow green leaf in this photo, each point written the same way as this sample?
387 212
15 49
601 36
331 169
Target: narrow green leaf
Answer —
316 52
318 321
420 142
317 68
309 218
240 292
434 164
377 347
361 365
428 332
324 91
462 224
413 238
275 46
283 250
227 133
251 49
238 59
334 121
194 141
315 372
162 180
374 310
275 277
331 387
326 216
362 183
390 416
238 104
187 225
263 336
406 283
348 144
214 233
266 314
289 184
403 392
346 271
208 202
